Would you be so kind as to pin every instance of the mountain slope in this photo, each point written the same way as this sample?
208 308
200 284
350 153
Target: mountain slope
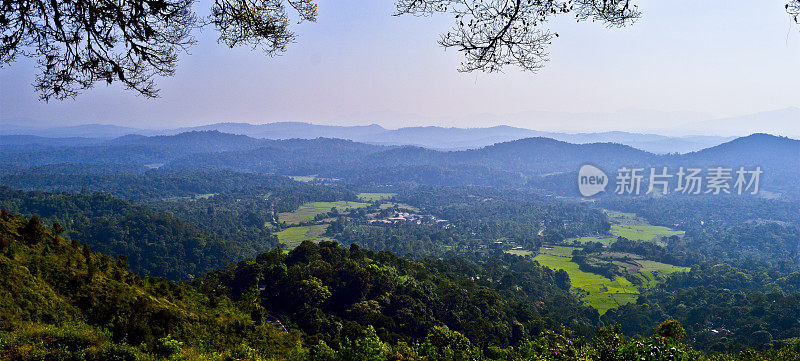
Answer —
433 137
61 301
780 120
156 244
509 163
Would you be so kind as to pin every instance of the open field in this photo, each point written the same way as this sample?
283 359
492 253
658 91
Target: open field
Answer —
662 268
519 252
308 211
644 233
311 178
372 197
400 205
635 228
603 293
635 263
589 239
562 251
622 217
189 198
303 178
295 235
630 226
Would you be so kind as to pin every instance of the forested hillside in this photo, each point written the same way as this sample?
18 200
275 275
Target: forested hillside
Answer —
539 163
174 238
61 301
329 249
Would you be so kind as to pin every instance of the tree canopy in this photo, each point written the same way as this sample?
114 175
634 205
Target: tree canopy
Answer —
80 43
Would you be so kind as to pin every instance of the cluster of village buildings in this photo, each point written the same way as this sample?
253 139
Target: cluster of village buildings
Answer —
403 217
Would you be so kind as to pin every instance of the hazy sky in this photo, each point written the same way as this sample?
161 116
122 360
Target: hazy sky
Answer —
360 65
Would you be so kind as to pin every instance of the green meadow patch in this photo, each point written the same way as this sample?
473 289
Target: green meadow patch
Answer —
303 178
591 239
601 293
562 251
519 252
293 236
312 178
645 233
630 226
635 228
387 205
308 211
374 197
662 268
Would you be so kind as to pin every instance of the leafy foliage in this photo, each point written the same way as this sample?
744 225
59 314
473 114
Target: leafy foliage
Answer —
59 300
492 34
334 293
154 243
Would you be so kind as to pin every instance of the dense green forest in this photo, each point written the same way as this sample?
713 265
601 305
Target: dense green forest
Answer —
62 301
742 231
537 163
176 237
211 246
470 220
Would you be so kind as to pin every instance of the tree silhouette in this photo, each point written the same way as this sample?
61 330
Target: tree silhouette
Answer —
79 43
495 33
793 8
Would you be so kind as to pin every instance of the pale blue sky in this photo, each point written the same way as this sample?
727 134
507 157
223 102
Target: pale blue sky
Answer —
359 65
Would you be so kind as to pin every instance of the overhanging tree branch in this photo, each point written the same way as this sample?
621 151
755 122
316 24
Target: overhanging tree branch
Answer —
79 43
496 33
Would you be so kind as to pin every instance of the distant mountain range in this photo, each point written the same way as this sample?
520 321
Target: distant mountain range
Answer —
683 129
535 162
431 137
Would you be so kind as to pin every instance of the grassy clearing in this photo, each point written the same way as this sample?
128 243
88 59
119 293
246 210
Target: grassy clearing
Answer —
520 252
312 178
561 251
644 233
400 205
295 235
635 263
635 228
662 268
606 301
303 178
308 211
191 198
603 293
648 279
373 197
590 239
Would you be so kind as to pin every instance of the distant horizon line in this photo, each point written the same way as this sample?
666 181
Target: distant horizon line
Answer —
192 128
19 125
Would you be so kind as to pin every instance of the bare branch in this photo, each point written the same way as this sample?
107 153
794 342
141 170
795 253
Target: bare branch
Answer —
496 33
793 8
78 43
259 23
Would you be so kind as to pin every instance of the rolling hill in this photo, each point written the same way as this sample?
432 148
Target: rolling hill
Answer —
433 137
543 162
